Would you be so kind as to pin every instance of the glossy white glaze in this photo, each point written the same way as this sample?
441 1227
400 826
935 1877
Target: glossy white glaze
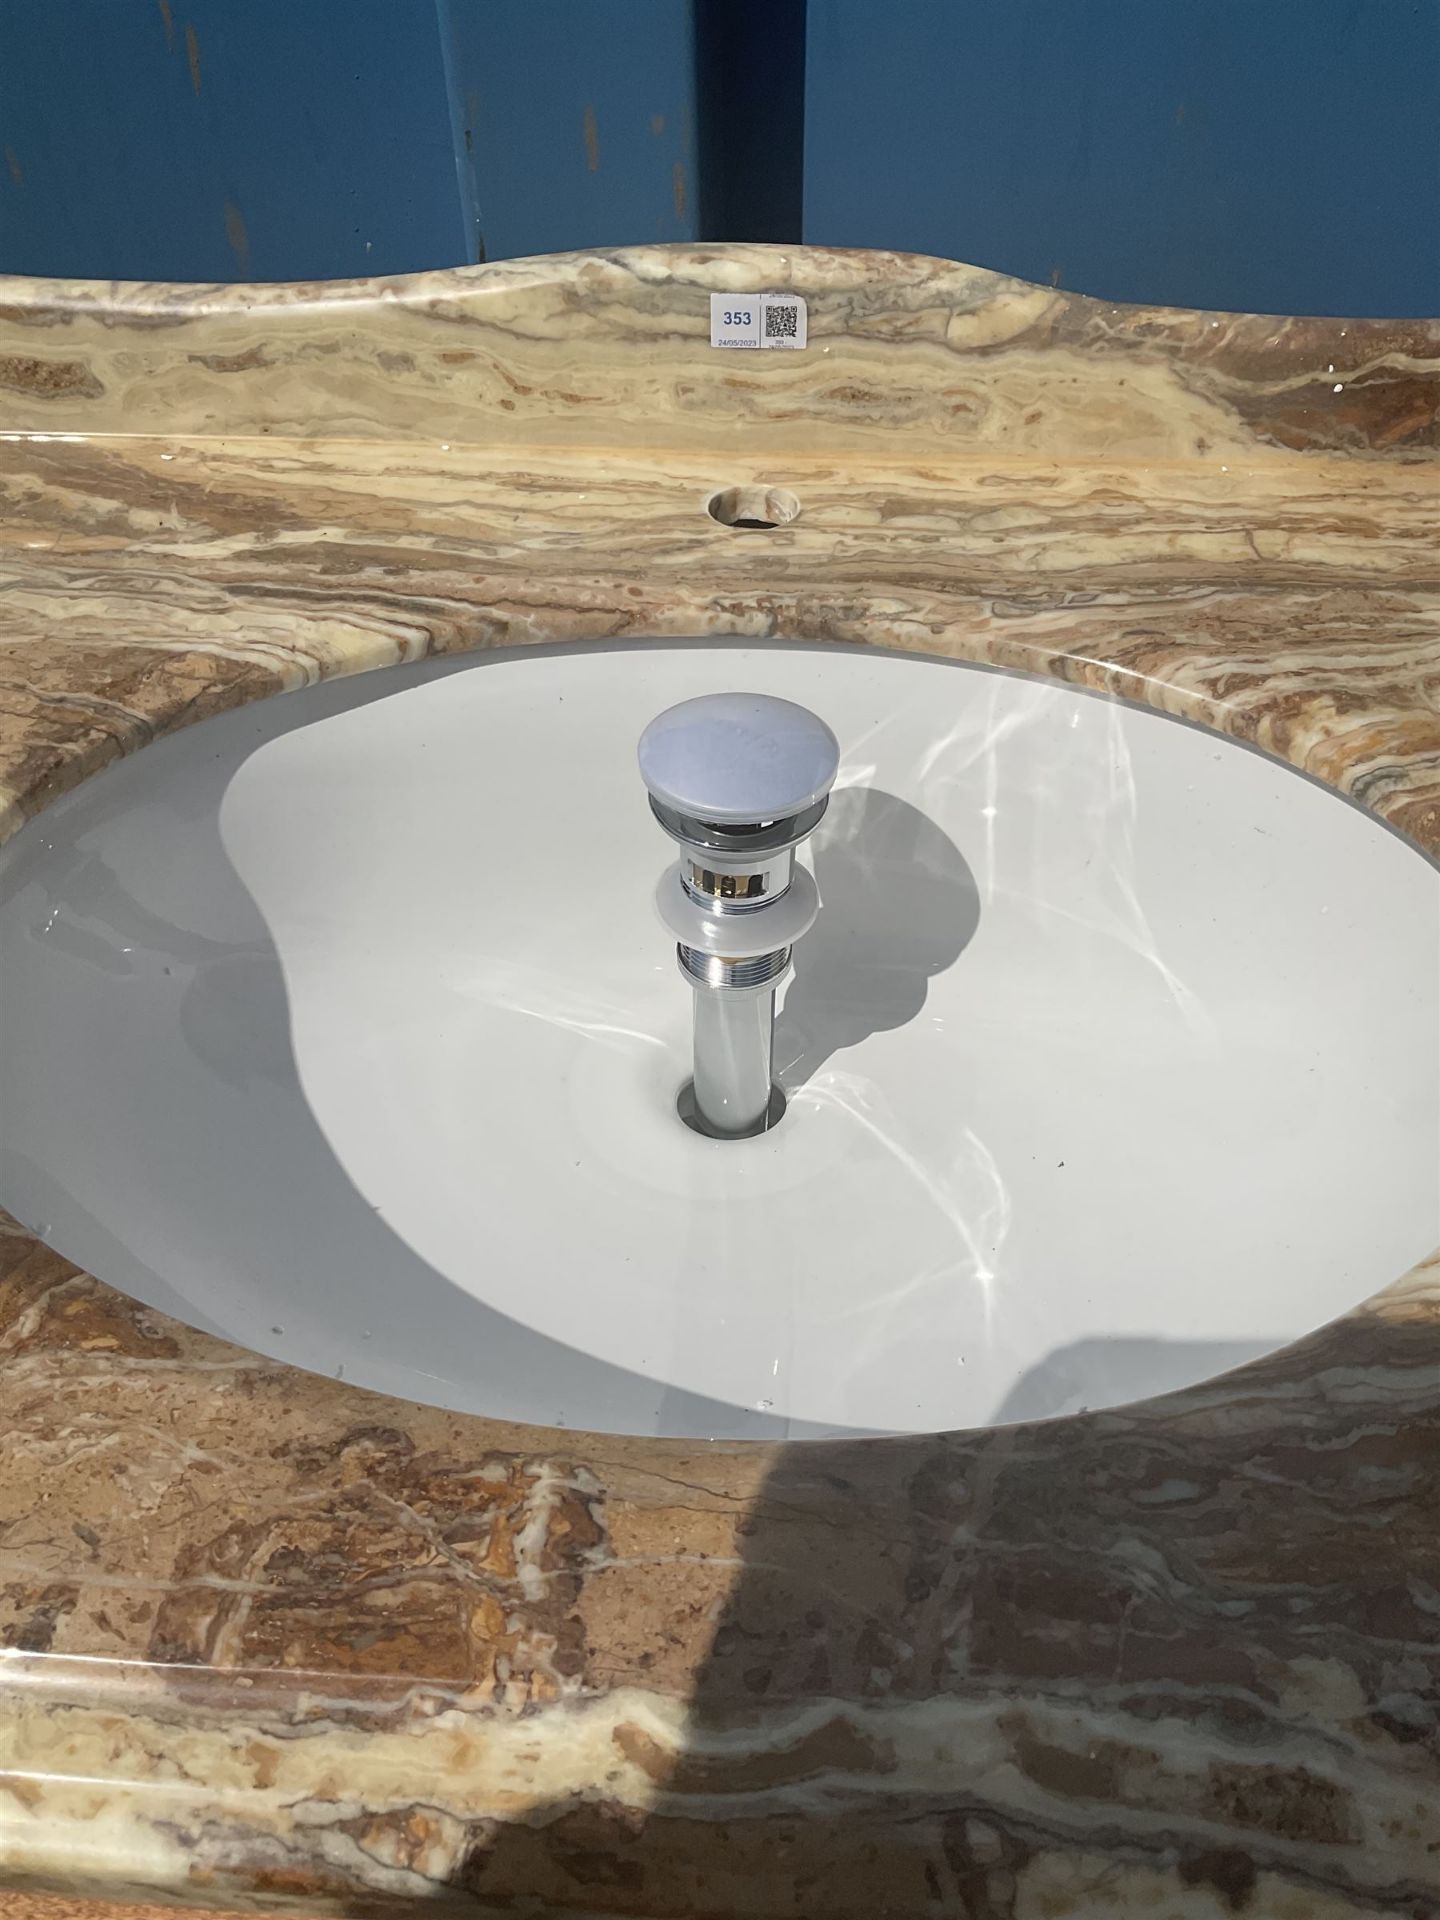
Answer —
335 1026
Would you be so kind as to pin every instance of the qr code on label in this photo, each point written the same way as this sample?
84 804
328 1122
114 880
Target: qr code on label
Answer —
783 320
757 320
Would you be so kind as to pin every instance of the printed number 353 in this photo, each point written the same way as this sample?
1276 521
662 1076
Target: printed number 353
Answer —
739 318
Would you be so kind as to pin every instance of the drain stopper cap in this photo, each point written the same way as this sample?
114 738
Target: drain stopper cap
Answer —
738 759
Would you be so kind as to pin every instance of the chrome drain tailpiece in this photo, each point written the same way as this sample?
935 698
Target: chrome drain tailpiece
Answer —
738 781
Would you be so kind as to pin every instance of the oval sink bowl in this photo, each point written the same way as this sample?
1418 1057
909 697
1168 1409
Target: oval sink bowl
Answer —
344 1026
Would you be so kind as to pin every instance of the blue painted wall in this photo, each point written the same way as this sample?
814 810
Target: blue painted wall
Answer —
577 123
1273 155
225 139
313 139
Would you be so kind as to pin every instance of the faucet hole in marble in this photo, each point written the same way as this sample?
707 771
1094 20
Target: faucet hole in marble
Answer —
754 509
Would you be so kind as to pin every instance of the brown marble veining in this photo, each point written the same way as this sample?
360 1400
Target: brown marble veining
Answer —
613 349
273 1639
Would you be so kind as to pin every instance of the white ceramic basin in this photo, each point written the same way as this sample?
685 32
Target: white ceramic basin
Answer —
344 1026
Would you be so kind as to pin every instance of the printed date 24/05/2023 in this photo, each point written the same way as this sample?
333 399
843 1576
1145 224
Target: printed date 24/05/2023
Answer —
757 320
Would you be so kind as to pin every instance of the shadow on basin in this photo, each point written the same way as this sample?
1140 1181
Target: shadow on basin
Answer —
290 1249
899 905
909 1676
1108 1373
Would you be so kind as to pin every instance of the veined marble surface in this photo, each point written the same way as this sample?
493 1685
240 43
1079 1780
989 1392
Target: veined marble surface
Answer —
907 355
274 1639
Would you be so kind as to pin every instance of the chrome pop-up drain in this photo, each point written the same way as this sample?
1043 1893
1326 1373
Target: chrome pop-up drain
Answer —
738 781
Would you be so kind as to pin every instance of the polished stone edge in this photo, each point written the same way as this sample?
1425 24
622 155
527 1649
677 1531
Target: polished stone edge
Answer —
929 357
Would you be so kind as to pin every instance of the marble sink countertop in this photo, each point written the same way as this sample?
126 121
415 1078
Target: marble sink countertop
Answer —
270 1639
